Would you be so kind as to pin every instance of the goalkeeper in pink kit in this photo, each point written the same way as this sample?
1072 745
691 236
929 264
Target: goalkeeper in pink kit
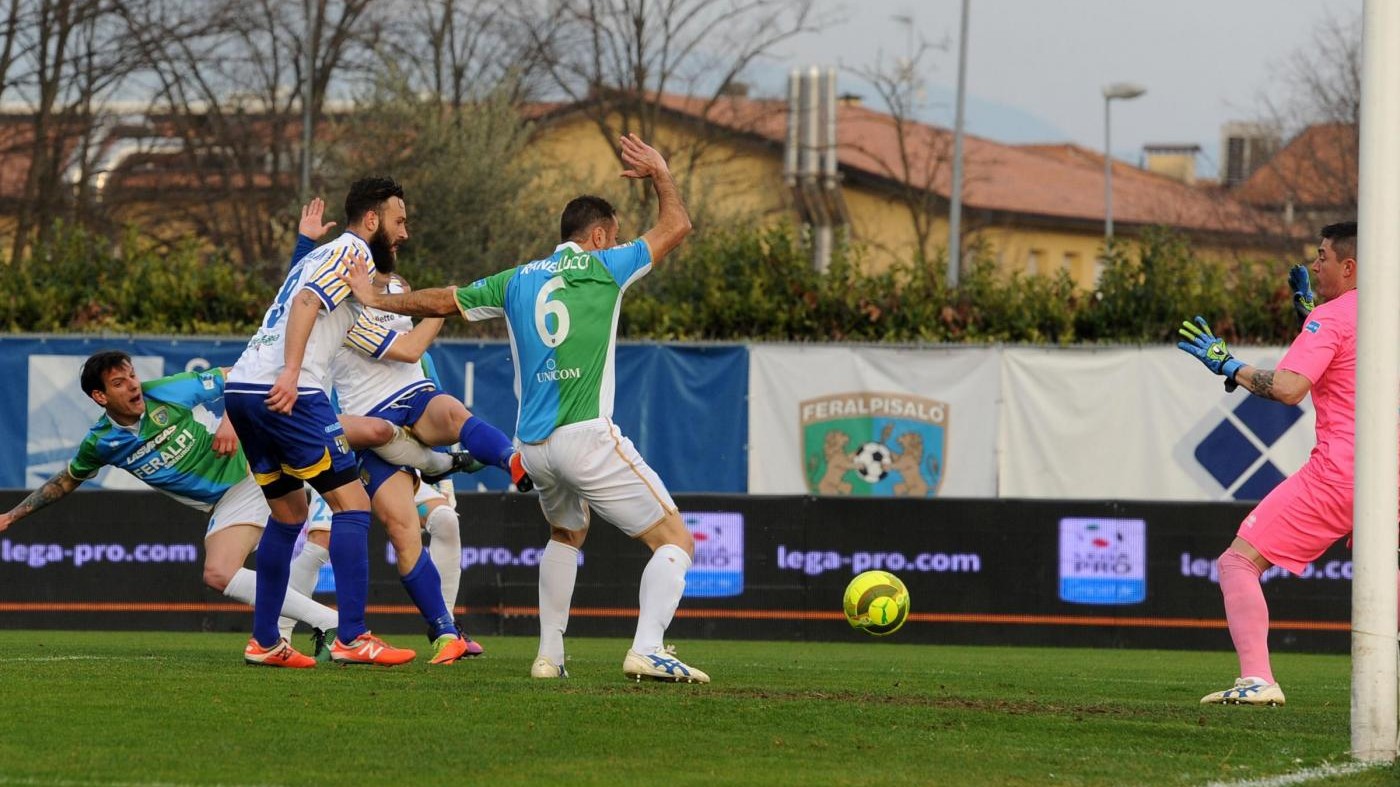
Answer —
1312 509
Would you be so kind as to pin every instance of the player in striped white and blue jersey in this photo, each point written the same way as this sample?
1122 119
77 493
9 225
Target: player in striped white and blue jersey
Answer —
277 402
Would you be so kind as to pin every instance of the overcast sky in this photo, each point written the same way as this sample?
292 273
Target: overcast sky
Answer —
1036 67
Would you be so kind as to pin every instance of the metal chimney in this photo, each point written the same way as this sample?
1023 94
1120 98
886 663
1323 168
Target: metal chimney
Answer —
811 166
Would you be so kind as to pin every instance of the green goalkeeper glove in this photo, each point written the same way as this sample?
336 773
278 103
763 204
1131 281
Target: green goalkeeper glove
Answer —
1304 299
1208 348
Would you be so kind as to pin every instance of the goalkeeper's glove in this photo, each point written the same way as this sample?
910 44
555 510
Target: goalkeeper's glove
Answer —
1304 299
1207 348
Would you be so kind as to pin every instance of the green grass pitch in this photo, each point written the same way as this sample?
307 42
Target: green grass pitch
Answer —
147 708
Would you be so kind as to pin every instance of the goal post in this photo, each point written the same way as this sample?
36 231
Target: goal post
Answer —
1373 604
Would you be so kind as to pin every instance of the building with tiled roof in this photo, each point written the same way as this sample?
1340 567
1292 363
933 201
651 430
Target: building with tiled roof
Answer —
1313 180
1036 208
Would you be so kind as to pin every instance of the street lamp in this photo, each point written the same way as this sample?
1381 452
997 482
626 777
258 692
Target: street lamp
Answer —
1123 90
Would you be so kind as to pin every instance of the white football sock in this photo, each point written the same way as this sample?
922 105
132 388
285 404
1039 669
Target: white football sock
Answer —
306 569
663 582
445 550
403 449
558 570
244 587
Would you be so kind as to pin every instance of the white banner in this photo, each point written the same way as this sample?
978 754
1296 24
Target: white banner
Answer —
836 420
1142 424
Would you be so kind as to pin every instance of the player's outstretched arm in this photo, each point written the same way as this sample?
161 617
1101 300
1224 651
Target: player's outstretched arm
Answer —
436 302
672 220
53 489
1279 385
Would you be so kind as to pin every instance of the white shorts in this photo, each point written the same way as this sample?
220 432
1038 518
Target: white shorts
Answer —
590 465
242 504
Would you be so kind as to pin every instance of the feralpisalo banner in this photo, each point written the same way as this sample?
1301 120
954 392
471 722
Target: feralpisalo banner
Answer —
867 421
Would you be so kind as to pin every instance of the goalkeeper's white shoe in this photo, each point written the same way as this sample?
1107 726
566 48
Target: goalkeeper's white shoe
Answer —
1247 691
661 664
546 669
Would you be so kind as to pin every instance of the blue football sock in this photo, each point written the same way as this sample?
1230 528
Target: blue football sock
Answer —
274 565
350 563
485 442
424 586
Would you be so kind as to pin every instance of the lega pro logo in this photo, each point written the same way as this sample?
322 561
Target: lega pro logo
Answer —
1103 561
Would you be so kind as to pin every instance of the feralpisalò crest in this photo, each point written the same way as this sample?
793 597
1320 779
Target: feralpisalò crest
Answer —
873 444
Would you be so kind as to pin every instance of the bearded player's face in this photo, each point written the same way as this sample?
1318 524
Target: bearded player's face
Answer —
391 234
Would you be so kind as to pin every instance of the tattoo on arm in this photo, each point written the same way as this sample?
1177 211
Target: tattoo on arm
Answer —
53 489
1262 383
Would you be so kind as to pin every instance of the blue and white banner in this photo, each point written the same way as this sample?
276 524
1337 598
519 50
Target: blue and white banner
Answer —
682 405
844 420
1142 424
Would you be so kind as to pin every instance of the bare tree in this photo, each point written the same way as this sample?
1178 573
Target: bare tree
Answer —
1314 178
68 57
14 17
228 80
618 59
923 152
461 51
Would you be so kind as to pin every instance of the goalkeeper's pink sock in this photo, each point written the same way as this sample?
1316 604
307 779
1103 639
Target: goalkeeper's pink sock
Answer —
1247 614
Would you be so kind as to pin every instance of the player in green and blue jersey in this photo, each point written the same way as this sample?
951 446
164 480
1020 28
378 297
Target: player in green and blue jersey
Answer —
561 313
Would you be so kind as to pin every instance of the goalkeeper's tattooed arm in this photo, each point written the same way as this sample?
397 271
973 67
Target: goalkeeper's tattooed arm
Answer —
53 489
1280 385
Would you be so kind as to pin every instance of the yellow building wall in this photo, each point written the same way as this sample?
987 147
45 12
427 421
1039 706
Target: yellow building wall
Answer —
737 177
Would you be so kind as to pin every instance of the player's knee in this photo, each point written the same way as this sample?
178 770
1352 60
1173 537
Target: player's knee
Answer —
684 540
401 532
573 538
670 531
217 577
443 523
379 431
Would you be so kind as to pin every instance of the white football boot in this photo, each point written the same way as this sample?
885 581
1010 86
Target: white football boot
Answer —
1247 691
661 664
546 669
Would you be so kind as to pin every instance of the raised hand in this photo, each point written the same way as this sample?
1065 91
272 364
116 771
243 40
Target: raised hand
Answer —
1304 299
357 276
311 214
1207 348
641 159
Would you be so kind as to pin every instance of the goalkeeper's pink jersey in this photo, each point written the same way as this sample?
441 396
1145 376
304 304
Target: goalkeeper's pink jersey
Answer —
1325 353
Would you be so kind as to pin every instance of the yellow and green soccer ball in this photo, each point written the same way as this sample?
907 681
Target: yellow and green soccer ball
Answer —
877 603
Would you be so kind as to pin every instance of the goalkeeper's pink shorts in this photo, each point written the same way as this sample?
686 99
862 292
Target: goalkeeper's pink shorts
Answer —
1298 520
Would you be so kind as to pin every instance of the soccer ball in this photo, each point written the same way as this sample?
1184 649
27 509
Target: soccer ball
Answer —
877 603
872 462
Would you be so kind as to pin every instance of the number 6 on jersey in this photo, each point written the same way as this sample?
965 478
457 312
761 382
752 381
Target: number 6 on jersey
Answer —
544 307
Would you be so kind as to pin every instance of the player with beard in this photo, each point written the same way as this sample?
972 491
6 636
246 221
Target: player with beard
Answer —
377 369
276 400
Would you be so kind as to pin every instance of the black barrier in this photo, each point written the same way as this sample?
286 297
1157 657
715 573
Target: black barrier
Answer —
1100 574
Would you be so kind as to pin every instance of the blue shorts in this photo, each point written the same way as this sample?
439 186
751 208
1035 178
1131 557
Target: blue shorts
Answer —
407 409
374 471
404 411
307 444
